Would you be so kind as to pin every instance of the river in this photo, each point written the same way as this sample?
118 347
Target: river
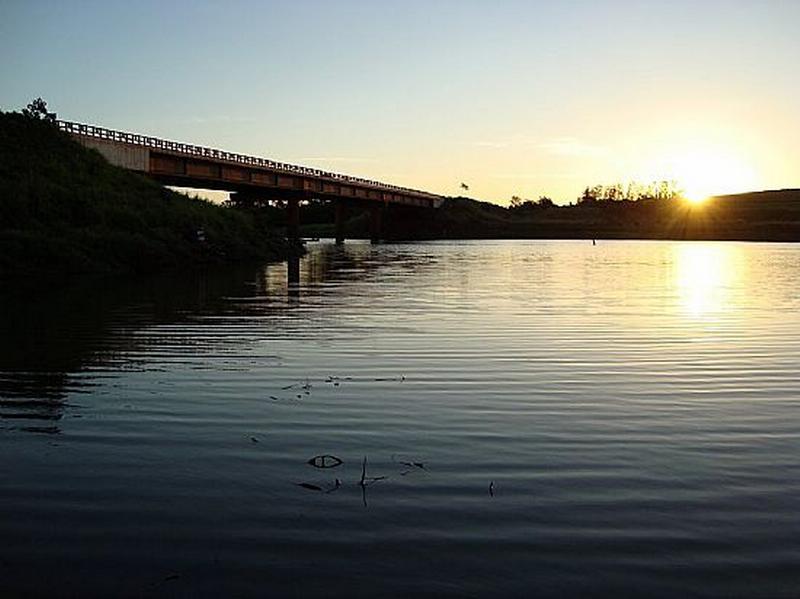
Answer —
521 418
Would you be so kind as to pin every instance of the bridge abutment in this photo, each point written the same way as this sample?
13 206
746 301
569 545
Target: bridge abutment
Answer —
375 223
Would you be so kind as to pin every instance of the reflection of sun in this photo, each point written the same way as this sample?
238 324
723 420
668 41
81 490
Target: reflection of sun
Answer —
703 277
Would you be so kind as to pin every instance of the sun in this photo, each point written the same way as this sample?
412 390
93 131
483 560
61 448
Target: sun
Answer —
702 171
696 198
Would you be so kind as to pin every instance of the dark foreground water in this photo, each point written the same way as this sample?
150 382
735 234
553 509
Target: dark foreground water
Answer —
538 419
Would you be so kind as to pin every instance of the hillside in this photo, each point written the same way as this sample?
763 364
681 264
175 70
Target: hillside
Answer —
758 216
64 209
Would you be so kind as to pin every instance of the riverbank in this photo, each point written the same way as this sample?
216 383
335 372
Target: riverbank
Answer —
758 216
64 210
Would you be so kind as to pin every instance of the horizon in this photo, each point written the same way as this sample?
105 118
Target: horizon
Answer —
495 97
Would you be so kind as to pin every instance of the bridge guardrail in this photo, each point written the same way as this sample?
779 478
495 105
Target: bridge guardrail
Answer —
203 152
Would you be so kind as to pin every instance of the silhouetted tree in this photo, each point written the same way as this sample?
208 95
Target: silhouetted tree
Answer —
37 109
613 193
633 191
517 203
589 196
545 202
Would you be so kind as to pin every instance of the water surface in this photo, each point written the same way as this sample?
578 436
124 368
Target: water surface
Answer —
538 418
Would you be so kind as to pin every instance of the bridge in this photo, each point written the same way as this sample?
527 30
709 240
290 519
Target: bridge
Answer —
250 178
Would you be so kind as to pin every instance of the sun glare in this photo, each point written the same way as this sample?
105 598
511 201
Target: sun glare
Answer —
704 171
695 198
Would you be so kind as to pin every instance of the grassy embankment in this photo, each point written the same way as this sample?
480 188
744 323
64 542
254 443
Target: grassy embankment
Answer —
64 209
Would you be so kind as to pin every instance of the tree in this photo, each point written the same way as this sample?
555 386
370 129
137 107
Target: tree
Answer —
589 196
38 110
545 202
516 202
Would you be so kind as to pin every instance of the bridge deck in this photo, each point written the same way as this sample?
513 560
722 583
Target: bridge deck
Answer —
187 165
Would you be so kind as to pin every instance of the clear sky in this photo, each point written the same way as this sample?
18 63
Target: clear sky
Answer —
514 98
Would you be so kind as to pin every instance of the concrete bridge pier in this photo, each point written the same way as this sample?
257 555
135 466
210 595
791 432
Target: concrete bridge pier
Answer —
340 217
293 219
375 223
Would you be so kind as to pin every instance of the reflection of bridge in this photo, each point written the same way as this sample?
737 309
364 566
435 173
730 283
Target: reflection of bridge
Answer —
251 178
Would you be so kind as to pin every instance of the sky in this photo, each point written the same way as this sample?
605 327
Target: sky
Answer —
512 98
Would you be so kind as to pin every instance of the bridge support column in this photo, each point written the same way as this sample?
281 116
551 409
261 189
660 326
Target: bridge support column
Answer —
375 223
293 271
339 216
293 219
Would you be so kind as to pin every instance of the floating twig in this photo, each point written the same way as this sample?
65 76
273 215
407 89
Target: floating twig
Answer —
166 579
366 480
419 465
336 380
411 466
310 486
363 484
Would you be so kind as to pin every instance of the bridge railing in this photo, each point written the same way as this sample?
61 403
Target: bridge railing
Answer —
155 143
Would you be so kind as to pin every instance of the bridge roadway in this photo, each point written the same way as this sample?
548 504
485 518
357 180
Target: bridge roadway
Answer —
186 165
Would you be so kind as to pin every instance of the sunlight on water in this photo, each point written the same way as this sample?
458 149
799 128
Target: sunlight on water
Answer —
705 273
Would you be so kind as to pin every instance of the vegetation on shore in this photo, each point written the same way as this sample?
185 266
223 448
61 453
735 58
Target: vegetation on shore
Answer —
757 216
760 216
65 209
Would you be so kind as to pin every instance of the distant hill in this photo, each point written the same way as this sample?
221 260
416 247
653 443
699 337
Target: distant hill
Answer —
64 209
770 195
757 216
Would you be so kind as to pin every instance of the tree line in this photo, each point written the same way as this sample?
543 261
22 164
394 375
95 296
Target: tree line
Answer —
631 192
616 192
